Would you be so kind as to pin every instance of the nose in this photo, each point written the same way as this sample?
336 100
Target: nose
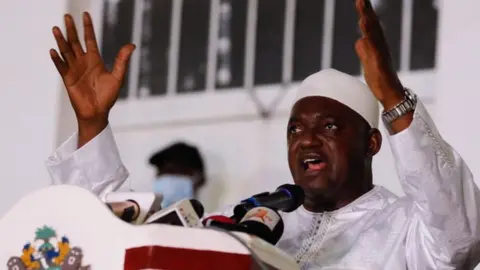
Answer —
310 139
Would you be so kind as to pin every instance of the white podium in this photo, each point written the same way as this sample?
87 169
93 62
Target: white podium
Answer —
69 228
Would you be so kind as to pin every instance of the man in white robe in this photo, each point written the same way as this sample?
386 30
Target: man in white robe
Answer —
346 222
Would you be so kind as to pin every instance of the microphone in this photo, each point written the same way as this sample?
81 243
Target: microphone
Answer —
185 213
127 211
217 219
262 222
286 198
265 223
133 207
223 222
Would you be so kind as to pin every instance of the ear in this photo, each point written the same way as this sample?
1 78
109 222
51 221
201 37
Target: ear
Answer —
374 142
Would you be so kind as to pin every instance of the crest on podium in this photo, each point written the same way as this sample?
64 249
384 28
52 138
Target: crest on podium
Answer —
47 251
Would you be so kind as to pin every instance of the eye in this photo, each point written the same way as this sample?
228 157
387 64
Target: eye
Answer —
331 126
294 129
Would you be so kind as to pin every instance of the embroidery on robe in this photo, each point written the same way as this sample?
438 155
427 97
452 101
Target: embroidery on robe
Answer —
48 252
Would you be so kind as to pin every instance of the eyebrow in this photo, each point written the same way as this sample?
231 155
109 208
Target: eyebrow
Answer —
292 119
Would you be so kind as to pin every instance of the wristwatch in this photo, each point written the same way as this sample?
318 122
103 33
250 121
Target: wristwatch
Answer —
407 105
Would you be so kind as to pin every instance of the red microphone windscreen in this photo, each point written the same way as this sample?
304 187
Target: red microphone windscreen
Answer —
218 218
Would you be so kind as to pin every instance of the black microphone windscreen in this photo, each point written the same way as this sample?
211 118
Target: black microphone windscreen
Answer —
296 193
198 207
265 223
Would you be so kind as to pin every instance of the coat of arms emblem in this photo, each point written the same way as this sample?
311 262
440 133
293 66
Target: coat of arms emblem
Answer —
48 252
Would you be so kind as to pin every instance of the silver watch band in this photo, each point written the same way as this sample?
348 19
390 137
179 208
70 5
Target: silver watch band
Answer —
407 105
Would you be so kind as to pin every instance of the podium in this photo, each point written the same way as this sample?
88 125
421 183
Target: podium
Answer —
68 228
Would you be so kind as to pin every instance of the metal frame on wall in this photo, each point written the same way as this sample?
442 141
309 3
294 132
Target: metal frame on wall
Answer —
265 100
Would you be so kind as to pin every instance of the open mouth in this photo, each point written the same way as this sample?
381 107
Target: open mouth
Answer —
313 164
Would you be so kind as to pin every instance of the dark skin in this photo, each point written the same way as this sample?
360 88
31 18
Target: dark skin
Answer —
379 73
332 132
93 90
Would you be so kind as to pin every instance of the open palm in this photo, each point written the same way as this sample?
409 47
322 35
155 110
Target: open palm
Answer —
92 89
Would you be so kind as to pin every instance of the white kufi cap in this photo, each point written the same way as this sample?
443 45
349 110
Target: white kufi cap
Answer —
343 88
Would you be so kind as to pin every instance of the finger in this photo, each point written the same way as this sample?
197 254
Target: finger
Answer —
372 29
63 46
365 8
368 48
363 25
366 11
359 5
372 18
59 64
121 61
360 48
72 35
90 39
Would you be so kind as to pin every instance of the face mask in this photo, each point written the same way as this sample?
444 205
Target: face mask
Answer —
174 188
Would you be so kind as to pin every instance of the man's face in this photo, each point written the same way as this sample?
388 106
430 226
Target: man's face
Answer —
327 146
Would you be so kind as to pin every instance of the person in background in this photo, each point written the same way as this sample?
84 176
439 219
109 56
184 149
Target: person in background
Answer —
180 172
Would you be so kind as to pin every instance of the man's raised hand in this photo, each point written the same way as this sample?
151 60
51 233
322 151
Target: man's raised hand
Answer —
374 54
92 89
380 75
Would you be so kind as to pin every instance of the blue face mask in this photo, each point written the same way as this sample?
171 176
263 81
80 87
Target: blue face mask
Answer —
174 188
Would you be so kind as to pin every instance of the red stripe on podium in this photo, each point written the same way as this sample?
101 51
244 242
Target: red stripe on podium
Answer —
167 258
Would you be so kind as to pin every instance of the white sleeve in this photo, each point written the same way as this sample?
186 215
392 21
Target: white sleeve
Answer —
445 227
96 166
